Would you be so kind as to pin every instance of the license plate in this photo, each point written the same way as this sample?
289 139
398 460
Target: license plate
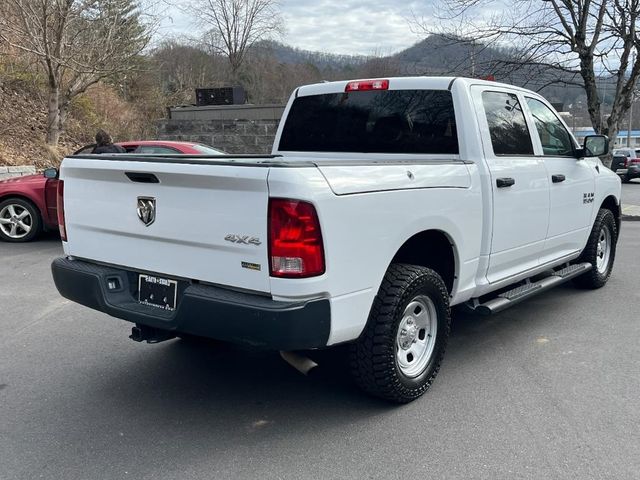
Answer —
157 292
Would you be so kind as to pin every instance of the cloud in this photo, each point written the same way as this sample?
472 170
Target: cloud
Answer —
351 26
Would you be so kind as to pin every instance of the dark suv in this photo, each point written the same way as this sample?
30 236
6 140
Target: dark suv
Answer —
626 163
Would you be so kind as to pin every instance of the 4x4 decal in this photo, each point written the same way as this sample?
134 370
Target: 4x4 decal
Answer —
245 239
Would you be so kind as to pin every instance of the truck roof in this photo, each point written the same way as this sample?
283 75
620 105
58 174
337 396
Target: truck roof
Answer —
401 83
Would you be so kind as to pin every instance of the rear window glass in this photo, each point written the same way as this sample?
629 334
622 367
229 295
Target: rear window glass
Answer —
622 153
205 150
390 121
156 149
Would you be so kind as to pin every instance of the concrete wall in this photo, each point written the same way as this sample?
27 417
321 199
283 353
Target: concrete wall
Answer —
8 172
235 129
227 112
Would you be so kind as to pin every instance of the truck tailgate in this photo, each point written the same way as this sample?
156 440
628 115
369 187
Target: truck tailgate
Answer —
210 220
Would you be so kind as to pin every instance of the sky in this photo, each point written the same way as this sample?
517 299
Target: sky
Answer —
350 27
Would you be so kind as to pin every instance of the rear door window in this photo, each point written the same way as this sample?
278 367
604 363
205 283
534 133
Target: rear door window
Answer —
507 126
389 121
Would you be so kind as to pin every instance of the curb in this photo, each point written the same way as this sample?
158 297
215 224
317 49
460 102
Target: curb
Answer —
631 212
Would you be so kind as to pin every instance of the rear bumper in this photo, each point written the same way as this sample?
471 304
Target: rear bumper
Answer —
202 310
633 171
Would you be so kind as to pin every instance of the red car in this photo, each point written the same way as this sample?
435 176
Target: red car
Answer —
28 204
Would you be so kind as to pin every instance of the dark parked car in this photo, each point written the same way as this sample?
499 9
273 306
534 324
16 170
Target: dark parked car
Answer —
626 163
28 204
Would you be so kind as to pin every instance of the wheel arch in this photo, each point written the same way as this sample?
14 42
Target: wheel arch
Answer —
433 249
611 203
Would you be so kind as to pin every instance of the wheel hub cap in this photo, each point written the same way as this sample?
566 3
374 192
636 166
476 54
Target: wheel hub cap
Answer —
603 250
416 336
408 333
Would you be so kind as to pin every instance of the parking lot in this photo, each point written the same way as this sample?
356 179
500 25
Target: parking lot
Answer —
548 389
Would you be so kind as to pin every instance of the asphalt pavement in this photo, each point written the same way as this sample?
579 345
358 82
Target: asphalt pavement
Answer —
547 389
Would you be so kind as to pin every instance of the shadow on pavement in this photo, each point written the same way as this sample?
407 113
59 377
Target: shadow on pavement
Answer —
205 383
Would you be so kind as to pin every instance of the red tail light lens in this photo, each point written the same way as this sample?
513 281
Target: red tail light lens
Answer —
634 161
60 206
364 85
295 239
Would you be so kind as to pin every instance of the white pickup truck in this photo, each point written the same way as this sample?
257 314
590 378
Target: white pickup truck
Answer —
385 202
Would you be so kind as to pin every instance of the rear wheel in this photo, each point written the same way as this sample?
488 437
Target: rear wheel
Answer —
600 251
19 220
399 353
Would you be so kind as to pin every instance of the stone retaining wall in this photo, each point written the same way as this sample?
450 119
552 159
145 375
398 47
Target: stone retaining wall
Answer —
8 172
235 129
231 136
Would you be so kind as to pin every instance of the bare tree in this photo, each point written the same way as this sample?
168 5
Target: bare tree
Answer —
234 26
182 67
571 41
269 81
76 42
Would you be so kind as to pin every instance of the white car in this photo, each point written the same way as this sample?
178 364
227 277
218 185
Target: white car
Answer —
385 202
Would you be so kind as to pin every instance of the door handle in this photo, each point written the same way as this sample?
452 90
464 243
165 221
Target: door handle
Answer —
557 178
142 177
505 182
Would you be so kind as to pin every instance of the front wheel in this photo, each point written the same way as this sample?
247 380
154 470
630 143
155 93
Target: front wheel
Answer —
600 251
400 351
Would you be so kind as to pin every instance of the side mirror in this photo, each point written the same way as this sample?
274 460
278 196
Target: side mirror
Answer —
595 146
50 173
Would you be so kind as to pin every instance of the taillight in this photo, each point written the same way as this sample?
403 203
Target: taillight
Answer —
367 85
295 239
634 161
60 206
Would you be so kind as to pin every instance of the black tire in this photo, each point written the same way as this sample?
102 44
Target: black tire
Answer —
35 220
373 357
626 179
596 278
